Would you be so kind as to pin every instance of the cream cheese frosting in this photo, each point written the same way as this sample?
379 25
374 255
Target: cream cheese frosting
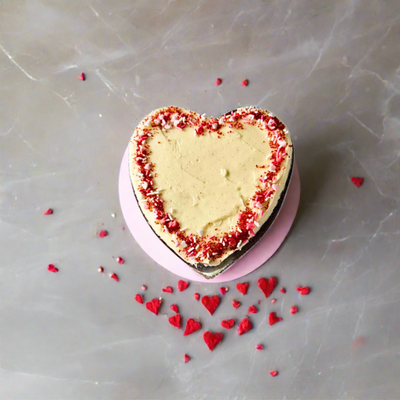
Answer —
207 185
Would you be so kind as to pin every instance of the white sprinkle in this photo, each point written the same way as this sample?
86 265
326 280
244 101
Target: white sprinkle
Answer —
223 171
171 210
221 240
268 156
144 185
167 126
275 186
229 235
215 126
221 121
239 230
197 247
200 232
147 166
183 229
272 168
183 244
113 215
203 116
240 242
223 244
148 123
256 224
191 249
214 254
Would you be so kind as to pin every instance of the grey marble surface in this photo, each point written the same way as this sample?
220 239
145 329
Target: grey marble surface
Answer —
329 69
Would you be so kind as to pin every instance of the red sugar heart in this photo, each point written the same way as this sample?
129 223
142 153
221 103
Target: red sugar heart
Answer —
210 303
153 306
182 285
303 290
267 286
283 290
168 289
242 287
218 81
212 339
274 373
244 326
52 268
186 358
48 212
293 310
252 310
259 347
223 290
114 276
245 82
191 326
236 304
175 320
196 296
273 319
82 76
174 308
228 323
103 234
357 181
139 298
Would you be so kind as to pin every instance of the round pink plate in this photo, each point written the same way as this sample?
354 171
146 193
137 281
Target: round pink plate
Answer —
162 255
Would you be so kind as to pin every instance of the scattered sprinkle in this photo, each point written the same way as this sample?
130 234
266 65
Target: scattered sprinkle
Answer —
273 301
242 287
182 285
218 81
49 211
168 289
113 215
100 269
196 296
303 290
236 304
191 326
174 308
82 76
120 260
175 320
186 358
139 298
244 326
293 310
212 339
154 305
144 287
228 323
357 181
114 276
52 268
223 290
273 318
252 310
274 373
245 82
103 234
259 347
210 303
283 290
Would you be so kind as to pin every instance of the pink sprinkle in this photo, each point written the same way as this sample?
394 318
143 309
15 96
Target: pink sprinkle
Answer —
120 260
103 234
245 82
196 296
293 310
114 276
100 269
218 81
283 290
259 347
144 287
52 268
186 358
273 301
274 373
82 76
48 212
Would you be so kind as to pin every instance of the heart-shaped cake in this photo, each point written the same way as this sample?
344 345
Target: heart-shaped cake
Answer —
210 187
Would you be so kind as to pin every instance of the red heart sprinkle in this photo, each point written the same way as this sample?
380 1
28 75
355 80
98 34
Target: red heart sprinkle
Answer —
273 319
218 81
357 181
212 339
52 268
245 82
244 326
303 290
103 234
82 76
259 347
267 286
175 320
196 296
114 276
242 287
223 290
120 260
168 289
48 212
210 303
293 310
273 301
228 323
191 326
174 308
236 304
186 358
153 306
274 373
283 290
252 310
100 269
139 298
182 285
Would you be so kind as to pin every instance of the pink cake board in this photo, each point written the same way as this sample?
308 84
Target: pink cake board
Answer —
162 255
